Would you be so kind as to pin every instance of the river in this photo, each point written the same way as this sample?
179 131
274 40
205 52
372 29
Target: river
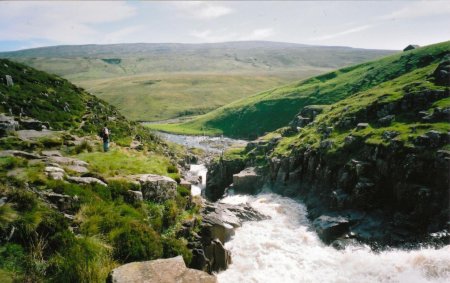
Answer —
285 249
209 144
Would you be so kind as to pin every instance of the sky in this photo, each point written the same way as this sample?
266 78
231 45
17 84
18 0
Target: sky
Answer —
364 24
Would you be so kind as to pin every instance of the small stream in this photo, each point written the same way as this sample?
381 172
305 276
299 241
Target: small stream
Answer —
286 249
209 144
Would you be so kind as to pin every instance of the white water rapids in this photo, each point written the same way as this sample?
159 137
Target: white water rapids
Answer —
283 249
198 170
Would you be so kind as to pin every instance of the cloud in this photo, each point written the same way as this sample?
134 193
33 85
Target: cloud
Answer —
342 33
210 36
118 36
64 22
203 10
225 35
420 9
258 34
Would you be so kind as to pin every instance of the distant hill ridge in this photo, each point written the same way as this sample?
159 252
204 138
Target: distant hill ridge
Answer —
269 110
192 78
132 48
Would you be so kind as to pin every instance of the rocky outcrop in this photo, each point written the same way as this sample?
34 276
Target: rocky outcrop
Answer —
33 124
220 176
20 153
86 180
442 73
218 223
55 173
389 191
248 181
67 161
134 196
9 80
48 153
159 271
7 125
63 203
155 187
329 228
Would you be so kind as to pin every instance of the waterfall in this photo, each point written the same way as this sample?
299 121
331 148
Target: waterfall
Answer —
198 170
285 249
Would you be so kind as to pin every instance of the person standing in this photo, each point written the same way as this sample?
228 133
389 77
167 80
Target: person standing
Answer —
105 136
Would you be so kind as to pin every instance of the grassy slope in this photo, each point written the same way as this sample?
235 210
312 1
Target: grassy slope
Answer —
110 229
163 96
269 110
407 124
204 77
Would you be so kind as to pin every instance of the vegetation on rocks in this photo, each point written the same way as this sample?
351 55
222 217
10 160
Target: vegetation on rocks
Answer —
267 111
381 149
70 212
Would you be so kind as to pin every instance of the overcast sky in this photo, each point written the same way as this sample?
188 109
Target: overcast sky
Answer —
377 24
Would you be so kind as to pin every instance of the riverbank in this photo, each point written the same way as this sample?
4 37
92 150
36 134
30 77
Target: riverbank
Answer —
283 245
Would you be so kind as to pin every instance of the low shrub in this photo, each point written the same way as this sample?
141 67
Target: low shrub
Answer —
136 242
174 247
155 216
84 146
171 212
172 169
12 257
86 260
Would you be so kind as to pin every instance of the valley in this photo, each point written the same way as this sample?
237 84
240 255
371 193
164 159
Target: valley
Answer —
325 179
153 82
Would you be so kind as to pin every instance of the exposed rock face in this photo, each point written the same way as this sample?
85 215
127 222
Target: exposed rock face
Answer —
169 270
19 153
135 196
329 228
33 124
248 180
156 188
220 176
9 80
218 224
67 161
7 125
55 173
411 47
442 73
63 203
86 180
78 169
389 191
48 153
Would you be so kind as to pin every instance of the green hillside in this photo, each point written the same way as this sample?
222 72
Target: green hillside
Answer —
272 109
377 158
153 82
68 210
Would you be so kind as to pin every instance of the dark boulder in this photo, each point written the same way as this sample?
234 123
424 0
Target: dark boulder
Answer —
249 180
330 228
442 73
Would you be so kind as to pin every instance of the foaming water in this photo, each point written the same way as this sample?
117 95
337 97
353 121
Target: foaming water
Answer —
283 249
198 170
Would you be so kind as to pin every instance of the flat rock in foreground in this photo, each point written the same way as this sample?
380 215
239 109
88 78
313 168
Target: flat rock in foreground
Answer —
169 270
